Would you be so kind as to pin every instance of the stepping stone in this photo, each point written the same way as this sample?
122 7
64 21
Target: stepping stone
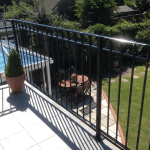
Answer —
145 69
112 80
142 73
136 77
124 80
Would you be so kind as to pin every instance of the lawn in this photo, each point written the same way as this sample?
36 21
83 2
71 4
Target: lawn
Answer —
135 107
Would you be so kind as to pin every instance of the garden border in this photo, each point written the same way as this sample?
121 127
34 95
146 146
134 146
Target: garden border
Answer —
115 117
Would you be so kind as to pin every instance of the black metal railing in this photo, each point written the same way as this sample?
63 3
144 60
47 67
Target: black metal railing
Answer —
71 66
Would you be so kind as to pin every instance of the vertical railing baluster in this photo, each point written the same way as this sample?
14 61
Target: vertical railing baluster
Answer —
45 74
30 55
7 35
27 54
68 34
90 41
38 35
130 95
35 37
49 73
4 60
119 89
33 51
21 43
53 56
15 37
64 68
58 62
3 53
142 102
2 102
18 42
82 39
41 34
109 85
75 39
99 85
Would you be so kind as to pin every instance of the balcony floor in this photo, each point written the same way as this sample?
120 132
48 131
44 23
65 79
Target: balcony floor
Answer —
33 121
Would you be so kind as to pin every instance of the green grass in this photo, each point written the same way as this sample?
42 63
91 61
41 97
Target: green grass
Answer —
135 107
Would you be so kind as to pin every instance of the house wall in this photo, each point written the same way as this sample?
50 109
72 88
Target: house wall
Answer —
124 14
138 18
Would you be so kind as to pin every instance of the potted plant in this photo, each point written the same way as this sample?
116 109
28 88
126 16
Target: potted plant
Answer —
14 72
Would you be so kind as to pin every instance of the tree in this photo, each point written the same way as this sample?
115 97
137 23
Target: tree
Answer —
15 10
95 10
130 3
142 5
30 2
33 13
120 2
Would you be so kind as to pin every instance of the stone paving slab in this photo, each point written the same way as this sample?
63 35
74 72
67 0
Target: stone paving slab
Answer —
40 123
104 110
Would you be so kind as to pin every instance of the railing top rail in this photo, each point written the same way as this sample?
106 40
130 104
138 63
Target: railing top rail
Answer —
89 34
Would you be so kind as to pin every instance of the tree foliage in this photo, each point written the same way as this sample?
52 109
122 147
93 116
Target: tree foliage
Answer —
34 13
127 30
120 2
15 10
142 5
30 2
130 3
95 10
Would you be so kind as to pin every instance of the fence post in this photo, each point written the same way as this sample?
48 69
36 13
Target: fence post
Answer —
15 37
99 86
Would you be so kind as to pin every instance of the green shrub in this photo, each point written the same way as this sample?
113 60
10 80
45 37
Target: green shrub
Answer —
15 10
127 29
33 13
144 35
103 30
73 25
13 67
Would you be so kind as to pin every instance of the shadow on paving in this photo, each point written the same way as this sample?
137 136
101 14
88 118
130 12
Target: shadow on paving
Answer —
70 129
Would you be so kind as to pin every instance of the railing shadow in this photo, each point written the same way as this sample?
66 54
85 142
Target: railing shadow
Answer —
12 103
70 130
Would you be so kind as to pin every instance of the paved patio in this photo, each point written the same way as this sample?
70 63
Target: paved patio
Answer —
104 110
32 121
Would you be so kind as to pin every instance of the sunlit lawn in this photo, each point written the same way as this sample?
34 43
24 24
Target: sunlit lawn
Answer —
135 107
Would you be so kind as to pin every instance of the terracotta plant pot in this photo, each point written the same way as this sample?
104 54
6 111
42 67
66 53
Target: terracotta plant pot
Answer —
15 83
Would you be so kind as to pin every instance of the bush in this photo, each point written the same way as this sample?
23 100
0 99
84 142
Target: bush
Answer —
37 13
127 29
15 10
14 67
73 25
103 30
144 35
40 14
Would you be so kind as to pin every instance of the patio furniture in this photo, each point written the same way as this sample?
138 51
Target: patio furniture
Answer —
66 86
87 88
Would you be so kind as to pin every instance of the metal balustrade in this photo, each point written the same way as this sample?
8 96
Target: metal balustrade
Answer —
51 50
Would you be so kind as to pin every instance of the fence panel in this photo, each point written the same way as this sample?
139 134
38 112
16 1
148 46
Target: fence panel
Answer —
75 68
